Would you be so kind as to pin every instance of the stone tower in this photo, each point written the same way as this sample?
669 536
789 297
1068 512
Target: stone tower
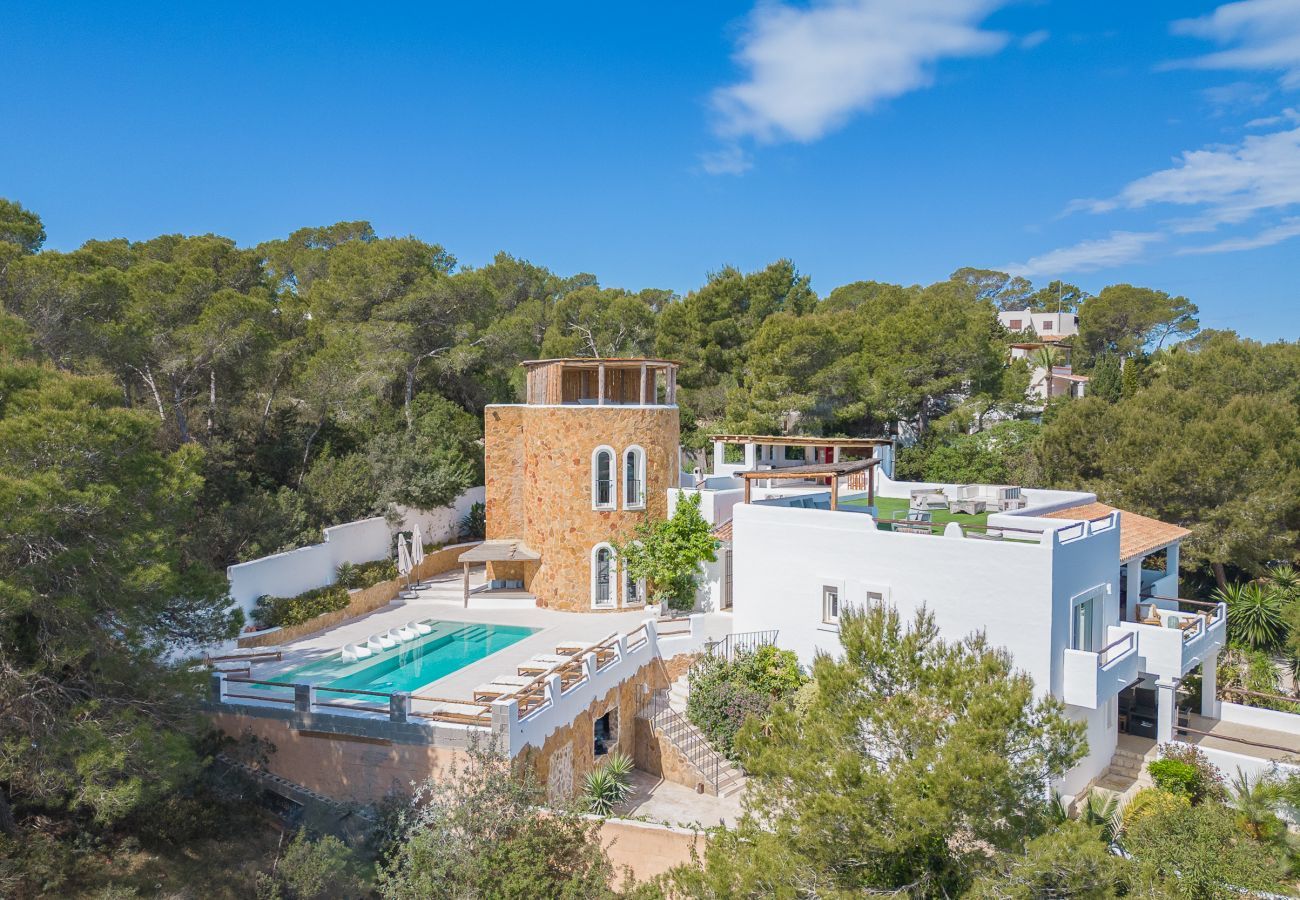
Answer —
573 470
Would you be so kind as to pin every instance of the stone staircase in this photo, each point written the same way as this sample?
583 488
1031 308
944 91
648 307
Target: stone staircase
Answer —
669 718
1127 773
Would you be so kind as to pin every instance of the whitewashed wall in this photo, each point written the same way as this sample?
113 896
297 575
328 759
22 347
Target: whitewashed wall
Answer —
1018 594
442 525
294 571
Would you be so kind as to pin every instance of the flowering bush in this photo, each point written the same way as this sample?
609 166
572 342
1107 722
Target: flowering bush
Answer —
724 694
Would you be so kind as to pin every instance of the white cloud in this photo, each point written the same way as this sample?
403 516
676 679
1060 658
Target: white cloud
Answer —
1284 230
731 160
1259 34
1086 256
1231 183
809 68
1034 38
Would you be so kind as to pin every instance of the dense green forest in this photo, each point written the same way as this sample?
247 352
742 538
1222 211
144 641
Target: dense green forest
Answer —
171 406
333 373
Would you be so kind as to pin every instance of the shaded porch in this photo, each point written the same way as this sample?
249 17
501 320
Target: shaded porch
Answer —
510 566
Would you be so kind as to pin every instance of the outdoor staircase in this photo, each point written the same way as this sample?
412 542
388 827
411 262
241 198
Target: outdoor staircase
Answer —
1127 774
677 695
666 713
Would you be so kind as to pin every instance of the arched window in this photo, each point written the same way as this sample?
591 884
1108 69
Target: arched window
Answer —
603 488
634 478
602 577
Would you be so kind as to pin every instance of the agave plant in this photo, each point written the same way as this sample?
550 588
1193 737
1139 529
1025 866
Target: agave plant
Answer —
1256 614
609 785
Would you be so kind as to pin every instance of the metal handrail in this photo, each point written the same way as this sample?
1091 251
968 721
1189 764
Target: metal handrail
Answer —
1129 637
684 736
738 642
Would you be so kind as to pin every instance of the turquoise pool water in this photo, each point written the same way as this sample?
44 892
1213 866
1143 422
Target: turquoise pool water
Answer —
410 666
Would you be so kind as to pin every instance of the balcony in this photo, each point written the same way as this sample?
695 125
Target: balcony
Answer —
1090 678
1172 641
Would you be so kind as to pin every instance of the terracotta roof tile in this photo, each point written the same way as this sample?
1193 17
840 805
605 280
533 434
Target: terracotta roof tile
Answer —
1138 535
722 532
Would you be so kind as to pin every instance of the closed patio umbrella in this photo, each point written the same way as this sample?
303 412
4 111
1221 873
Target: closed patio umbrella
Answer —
403 560
417 548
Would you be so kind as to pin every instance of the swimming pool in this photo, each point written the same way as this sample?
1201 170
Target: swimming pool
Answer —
412 665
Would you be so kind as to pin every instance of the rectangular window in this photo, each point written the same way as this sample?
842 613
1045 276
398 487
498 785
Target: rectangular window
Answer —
1047 325
1015 325
1083 625
830 604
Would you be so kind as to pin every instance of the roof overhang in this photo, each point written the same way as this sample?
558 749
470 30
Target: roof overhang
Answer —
814 470
507 550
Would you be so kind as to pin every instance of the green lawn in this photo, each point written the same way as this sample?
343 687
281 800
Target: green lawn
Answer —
896 508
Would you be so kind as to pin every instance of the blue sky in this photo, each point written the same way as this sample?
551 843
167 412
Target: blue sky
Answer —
1156 142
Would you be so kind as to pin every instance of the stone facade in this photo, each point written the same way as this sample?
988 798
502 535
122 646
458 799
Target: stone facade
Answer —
571 749
538 462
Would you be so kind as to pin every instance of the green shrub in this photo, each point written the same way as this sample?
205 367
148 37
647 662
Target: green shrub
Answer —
279 612
473 525
1174 776
769 670
312 869
724 694
364 575
1188 773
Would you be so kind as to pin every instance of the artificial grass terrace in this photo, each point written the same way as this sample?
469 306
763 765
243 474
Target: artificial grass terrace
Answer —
896 508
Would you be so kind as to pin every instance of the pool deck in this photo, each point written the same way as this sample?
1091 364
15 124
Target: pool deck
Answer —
442 598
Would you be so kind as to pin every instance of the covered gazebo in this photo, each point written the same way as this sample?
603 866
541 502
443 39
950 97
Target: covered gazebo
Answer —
832 471
508 550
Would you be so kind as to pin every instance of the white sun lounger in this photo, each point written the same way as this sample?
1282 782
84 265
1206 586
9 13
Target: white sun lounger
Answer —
356 651
381 642
420 627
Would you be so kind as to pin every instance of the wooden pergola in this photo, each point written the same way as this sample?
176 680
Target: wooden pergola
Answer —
833 471
508 550
799 440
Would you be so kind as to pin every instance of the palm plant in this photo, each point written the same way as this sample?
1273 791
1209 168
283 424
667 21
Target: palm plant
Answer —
1256 614
1045 358
1284 579
1104 811
1256 803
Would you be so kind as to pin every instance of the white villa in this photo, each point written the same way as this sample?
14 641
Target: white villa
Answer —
551 654
1046 325
1084 596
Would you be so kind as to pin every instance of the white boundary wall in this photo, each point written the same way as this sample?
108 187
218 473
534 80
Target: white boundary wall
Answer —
294 571
442 525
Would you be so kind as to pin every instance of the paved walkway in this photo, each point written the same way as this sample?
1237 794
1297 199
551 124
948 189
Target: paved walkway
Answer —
443 599
670 803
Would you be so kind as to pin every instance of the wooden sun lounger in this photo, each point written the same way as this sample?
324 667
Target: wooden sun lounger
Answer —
501 685
603 653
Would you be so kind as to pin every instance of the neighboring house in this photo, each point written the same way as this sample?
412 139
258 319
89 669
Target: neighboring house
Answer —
1046 325
571 472
1057 381
1053 576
